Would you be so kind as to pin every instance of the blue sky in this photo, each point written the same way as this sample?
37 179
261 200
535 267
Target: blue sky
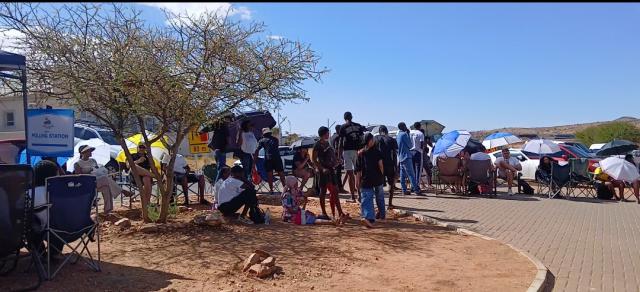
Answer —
468 66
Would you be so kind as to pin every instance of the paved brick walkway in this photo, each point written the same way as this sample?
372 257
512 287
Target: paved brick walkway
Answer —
588 245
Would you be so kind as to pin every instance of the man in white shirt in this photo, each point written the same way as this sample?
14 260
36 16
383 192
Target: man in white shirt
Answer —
236 192
184 176
225 173
508 168
417 147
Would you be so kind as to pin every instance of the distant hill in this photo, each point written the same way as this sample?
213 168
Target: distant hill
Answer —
552 131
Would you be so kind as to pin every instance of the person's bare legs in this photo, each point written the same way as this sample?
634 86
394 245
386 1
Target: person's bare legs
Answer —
270 180
201 185
352 184
509 178
323 193
334 200
305 177
282 180
636 190
185 189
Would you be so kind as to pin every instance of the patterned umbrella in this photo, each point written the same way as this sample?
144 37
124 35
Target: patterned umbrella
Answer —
451 144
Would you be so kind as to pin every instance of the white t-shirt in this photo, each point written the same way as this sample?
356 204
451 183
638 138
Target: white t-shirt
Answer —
178 165
229 189
249 142
216 189
512 161
417 140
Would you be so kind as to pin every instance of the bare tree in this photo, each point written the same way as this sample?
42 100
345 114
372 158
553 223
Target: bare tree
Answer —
104 59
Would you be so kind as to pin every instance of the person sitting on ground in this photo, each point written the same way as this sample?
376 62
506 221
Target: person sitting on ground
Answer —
324 158
370 173
388 147
272 159
292 199
236 192
609 182
508 168
142 163
543 173
104 184
184 176
225 172
302 165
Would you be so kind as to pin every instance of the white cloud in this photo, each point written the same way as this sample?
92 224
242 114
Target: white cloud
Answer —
9 40
195 9
275 37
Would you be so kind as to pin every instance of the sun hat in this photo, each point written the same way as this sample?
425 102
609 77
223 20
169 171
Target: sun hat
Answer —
85 148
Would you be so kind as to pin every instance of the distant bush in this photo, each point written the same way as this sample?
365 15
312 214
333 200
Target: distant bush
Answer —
609 131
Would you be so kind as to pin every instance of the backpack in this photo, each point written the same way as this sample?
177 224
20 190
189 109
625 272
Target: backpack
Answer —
603 192
526 188
256 215
355 134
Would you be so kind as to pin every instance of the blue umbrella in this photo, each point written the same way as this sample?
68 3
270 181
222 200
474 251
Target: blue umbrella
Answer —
500 139
35 159
451 144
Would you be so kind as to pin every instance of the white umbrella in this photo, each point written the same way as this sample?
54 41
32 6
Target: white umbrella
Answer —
500 139
480 156
541 146
102 154
620 169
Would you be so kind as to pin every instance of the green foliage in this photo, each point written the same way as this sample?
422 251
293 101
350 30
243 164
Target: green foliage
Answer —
609 131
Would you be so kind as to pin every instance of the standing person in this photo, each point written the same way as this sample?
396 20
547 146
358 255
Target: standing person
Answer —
508 168
405 160
334 143
370 173
427 165
272 159
388 147
417 147
324 158
219 141
351 138
104 184
248 144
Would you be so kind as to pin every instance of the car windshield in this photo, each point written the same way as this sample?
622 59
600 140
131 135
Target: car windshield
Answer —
108 137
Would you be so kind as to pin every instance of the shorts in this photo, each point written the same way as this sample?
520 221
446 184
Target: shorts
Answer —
191 177
390 177
350 157
273 164
325 177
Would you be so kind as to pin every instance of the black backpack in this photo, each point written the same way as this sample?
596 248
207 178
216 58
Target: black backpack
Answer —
355 134
603 192
256 215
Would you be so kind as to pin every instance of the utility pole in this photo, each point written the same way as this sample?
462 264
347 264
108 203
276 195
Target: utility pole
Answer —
330 126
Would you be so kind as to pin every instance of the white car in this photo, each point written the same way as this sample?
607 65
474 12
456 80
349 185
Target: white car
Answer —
286 154
529 165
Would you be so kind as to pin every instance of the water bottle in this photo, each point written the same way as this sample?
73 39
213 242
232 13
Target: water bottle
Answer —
267 217
303 216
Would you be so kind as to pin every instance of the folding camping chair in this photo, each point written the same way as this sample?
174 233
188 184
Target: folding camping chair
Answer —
210 173
480 173
560 177
446 172
581 182
16 215
72 198
264 184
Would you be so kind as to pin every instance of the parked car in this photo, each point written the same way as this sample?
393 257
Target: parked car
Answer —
569 151
286 154
529 164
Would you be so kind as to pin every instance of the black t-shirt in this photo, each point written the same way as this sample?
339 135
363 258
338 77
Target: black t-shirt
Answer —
220 136
387 147
326 155
270 146
145 164
353 136
367 164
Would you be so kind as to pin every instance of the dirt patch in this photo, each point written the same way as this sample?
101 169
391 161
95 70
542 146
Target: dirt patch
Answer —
399 255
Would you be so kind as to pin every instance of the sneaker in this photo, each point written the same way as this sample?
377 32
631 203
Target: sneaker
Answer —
245 221
407 193
510 192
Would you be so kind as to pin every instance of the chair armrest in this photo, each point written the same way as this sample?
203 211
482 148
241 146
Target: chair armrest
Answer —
41 207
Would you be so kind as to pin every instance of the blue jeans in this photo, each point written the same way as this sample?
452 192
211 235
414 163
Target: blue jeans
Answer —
247 164
221 160
406 170
366 203
417 164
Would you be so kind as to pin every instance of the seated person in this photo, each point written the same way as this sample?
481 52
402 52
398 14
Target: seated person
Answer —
636 183
225 172
292 199
105 185
302 165
184 176
236 192
42 170
609 182
543 173
508 168
142 163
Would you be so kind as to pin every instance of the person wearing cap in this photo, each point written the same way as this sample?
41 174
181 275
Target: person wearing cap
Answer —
272 160
104 184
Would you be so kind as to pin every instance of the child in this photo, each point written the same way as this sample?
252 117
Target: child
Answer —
292 200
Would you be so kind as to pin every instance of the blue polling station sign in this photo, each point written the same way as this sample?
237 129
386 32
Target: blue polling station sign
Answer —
50 132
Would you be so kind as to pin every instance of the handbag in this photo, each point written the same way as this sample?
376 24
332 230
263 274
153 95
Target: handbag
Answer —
255 176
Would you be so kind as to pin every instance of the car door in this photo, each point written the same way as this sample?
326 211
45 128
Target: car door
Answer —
529 165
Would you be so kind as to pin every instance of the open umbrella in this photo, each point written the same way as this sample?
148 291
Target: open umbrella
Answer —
474 146
304 142
500 139
451 144
430 127
541 146
617 147
620 169
259 119
35 159
157 149
102 152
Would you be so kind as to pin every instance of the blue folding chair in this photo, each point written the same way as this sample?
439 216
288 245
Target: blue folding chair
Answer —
72 197
16 215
